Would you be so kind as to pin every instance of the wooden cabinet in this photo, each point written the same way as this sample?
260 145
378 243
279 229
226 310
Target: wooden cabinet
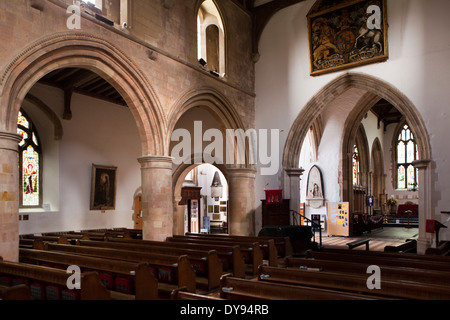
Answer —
275 214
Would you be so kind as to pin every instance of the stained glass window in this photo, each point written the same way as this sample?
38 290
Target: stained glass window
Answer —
29 163
407 152
355 160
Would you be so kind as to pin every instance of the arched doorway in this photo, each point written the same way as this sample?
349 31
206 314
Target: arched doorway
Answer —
198 113
363 92
203 193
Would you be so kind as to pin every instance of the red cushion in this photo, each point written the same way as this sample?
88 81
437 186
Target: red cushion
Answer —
124 285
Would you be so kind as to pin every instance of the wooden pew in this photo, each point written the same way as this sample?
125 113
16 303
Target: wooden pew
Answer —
183 294
93 235
39 277
384 254
357 243
389 272
410 246
251 251
115 272
243 289
443 249
17 292
206 263
229 255
280 248
61 239
172 271
356 283
400 260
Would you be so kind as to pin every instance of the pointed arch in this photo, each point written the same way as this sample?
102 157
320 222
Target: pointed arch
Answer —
376 89
371 91
213 101
69 49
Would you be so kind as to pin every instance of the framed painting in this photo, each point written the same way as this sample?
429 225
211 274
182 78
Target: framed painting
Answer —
346 34
103 187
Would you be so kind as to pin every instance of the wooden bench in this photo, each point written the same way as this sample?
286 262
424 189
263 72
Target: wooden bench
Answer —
356 283
17 292
357 243
268 248
282 245
229 255
405 255
443 249
170 271
206 264
42 280
243 289
401 260
410 246
389 272
251 251
130 278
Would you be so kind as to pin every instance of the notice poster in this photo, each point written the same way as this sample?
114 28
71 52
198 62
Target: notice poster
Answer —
338 218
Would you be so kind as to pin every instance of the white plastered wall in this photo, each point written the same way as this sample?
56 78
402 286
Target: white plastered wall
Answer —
418 67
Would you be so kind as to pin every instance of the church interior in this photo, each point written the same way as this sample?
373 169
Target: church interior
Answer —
224 149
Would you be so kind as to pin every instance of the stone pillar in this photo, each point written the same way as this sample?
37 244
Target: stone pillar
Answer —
294 175
241 215
157 198
425 211
9 196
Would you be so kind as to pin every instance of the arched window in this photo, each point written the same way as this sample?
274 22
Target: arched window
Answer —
210 38
406 153
29 163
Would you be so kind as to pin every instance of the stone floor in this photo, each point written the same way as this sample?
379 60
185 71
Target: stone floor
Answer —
379 238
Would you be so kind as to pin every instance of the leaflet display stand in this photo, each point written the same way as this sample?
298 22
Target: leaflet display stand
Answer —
338 218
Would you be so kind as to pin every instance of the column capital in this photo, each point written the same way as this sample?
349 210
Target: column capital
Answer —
10 140
294 171
150 161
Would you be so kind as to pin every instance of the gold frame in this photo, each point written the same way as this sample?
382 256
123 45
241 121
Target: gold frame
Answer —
337 48
103 192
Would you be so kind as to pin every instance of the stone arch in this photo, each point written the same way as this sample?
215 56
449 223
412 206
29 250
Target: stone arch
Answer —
213 101
372 90
177 181
77 49
376 89
240 177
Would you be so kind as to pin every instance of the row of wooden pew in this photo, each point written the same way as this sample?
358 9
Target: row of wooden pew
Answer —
130 268
216 267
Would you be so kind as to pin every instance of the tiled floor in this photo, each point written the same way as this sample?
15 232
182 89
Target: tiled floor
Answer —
379 238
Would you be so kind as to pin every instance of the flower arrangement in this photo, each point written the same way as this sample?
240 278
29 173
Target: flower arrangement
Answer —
391 201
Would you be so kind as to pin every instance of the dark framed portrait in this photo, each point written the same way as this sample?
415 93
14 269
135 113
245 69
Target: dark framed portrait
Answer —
103 187
346 34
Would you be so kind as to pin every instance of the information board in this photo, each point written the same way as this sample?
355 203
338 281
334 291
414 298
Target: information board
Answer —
338 218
